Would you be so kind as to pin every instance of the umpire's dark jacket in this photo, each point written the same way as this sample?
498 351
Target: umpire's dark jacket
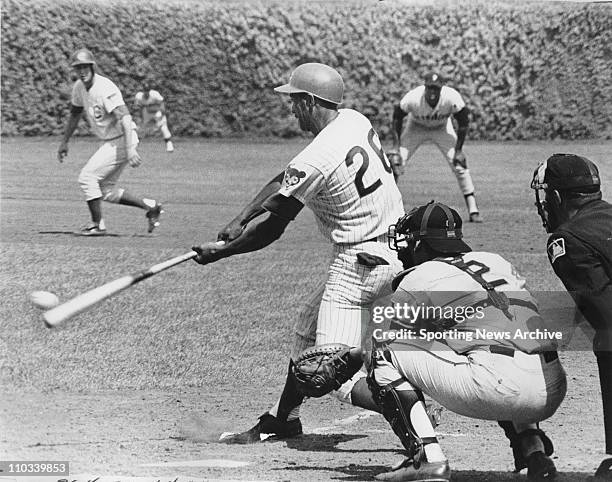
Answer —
580 252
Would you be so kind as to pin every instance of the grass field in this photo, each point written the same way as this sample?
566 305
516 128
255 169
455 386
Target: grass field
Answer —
112 388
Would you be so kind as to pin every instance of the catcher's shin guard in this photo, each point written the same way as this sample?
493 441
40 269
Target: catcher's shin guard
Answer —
396 407
520 461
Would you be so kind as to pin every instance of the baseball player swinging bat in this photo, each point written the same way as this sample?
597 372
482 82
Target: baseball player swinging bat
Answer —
80 303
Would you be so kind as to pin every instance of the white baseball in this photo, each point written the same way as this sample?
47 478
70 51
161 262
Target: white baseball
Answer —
45 300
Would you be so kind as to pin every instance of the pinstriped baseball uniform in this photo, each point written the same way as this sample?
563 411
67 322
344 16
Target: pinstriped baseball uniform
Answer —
102 170
345 178
433 124
488 377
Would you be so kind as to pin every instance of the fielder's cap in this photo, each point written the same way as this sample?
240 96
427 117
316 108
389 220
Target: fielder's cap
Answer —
316 79
436 224
567 172
433 79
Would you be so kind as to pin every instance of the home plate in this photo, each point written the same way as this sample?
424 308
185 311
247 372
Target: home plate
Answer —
224 463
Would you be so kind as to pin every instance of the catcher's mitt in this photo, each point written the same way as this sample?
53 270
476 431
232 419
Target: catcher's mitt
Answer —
322 369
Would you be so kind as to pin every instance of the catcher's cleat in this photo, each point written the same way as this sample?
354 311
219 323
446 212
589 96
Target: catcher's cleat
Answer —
425 472
268 428
93 230
540 467
475 217
153 215
603 472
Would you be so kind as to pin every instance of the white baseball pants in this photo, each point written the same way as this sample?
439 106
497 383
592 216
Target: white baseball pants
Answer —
413 136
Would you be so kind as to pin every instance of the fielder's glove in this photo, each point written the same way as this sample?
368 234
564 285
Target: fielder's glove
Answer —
322 369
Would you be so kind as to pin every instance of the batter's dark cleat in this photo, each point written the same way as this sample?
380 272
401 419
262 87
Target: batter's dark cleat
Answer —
475 218
268 428
153 215
603 472
92 230
426 472
540 467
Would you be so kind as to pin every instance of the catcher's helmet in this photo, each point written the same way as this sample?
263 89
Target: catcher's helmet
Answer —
435 224
575 176
319 80
82 57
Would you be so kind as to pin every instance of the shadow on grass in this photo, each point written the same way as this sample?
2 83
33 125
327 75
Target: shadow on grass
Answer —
354 472
328 442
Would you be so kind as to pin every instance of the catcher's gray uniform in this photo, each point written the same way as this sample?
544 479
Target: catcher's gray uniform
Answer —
489 366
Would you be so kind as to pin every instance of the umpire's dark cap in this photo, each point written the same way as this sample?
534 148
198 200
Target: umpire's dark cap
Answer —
433 79
570 172
436 224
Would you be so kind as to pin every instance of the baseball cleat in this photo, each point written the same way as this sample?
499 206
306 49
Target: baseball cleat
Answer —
268 428
603 472
475 218
92 230
169 146
153 215
426 472
540 467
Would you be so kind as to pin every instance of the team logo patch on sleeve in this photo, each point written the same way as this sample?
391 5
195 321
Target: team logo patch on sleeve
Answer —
556 249
293 176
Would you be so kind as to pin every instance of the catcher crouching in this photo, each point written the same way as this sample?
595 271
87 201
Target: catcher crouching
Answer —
518 383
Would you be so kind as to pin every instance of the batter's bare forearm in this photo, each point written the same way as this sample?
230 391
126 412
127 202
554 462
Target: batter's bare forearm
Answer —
254 208
253 239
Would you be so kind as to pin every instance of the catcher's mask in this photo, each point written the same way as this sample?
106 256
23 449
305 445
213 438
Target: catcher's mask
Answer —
563 177
318 80
434 224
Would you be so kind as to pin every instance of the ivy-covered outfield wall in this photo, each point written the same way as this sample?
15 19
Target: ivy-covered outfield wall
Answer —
530 71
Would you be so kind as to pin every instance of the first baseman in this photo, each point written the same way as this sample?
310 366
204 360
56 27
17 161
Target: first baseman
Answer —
429 109
500 373
579 248
344 177
152 110
100 100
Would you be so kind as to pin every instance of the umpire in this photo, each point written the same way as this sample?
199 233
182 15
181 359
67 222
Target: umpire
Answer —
568 198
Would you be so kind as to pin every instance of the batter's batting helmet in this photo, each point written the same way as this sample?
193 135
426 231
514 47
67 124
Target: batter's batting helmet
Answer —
316 79
435 224
82 57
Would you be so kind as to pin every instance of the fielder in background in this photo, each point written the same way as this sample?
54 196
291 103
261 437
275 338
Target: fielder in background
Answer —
429 108
568 198
514 380
149 103
100 100
344 176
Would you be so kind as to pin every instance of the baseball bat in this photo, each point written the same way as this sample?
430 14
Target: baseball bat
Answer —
80 303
